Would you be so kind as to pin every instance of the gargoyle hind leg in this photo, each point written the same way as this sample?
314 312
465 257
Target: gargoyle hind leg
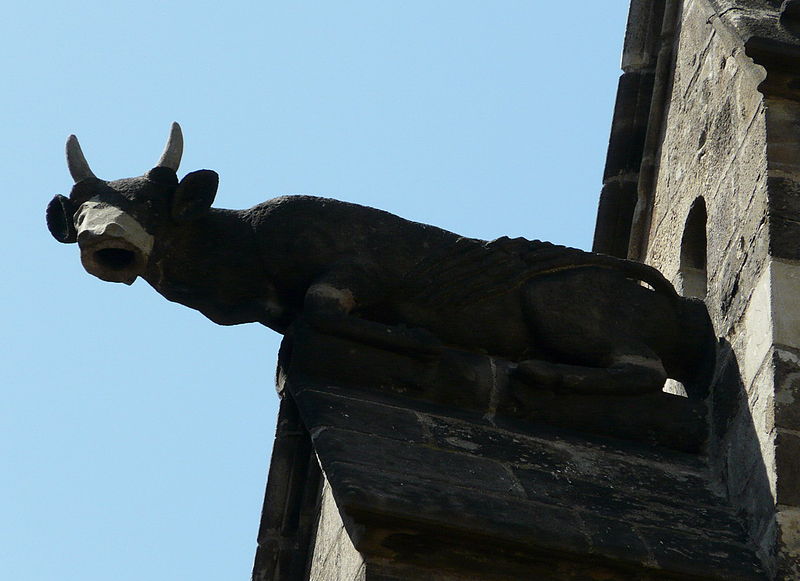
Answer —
635 372
328 307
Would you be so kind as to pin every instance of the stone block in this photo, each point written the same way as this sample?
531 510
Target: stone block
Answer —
788 519
617 538
329 527
341 563
787 389
334 558
756 331
485 440
642 34
336 408
614 217
660 419
783 127
747 474
391 456
784 238
727 393
787 461
605 471
761 405
784 196
784 157
631 506
413 503
629 126
524 444
722 560
785 282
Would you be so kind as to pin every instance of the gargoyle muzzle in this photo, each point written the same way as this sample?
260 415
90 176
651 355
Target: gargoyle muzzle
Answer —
114 246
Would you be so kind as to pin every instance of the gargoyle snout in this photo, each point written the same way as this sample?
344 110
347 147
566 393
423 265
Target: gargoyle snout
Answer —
114 246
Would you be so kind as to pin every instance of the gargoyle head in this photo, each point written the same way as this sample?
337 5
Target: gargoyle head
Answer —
118 223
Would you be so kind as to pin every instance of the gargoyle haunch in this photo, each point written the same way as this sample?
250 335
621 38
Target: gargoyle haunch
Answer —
570 319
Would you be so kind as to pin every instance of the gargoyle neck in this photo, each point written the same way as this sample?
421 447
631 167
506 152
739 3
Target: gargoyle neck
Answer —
214 256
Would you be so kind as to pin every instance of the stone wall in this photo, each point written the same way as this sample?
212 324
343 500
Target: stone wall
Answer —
783 359
714 147
425 489
728 142
334 558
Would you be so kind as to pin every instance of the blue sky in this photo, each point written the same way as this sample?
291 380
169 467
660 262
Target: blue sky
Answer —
134 434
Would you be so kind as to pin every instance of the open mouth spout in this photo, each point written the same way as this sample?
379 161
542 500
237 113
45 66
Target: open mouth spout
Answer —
112 260
114 246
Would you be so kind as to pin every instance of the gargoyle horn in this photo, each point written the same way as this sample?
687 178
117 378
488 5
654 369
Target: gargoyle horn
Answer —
173 151
76 162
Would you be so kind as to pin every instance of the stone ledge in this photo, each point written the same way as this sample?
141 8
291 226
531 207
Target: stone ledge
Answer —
589 503
434 462
481 386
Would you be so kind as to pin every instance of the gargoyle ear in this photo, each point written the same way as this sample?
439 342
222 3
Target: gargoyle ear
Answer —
162 175
194 194
59 219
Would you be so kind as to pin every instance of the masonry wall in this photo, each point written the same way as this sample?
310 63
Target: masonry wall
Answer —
333 558
715 148
783 359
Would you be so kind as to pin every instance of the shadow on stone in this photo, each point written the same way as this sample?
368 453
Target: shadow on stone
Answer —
470 383
736 456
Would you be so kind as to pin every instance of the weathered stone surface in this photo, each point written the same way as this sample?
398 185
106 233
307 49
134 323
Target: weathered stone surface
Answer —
618 538
429 493
785 288
787 394
784 196
785 237
286 532
630 123
525 444
418 503
787 453
659 419
788 525
721 559
730 137
641 46
468 383
334 558
422 461
614 217
656 506
331 407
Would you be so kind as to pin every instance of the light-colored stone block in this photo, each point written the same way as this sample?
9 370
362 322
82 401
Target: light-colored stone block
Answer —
785 282
756 330
334 557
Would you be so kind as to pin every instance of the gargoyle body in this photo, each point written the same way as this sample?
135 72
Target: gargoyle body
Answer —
570 319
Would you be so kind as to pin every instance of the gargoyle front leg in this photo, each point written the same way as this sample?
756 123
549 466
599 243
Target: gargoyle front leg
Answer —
627 374
329 306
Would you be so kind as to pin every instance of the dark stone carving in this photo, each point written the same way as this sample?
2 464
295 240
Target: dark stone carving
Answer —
482 388
568 320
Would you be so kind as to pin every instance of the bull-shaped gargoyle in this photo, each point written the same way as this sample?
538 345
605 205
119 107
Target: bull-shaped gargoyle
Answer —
569 319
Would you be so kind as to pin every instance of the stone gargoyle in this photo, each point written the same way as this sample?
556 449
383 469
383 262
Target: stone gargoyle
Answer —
570 320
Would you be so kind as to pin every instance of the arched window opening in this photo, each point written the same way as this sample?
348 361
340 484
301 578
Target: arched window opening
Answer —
693 274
